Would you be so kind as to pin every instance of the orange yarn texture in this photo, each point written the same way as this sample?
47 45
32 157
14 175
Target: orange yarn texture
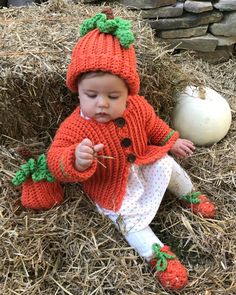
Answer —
99 51
41 195
205 207
175 277
106 186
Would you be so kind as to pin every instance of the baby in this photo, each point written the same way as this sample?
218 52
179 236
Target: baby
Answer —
117 147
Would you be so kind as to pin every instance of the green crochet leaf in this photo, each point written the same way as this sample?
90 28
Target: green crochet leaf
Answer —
19 178
191 198
37 170
161 257
116 27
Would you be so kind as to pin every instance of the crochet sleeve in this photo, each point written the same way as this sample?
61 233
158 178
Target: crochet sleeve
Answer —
159 133
61 155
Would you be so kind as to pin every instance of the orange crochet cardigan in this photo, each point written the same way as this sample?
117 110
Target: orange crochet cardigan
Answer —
139 137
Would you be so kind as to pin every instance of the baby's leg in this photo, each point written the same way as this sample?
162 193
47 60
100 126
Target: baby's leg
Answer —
180 183
142 242
181 186
169 270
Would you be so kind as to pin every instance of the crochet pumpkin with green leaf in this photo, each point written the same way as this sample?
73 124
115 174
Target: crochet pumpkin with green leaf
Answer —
40 190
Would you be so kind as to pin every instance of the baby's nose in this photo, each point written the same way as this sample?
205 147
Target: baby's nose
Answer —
102 101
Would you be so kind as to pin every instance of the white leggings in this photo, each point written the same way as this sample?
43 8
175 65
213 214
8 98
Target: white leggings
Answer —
142 241
180 183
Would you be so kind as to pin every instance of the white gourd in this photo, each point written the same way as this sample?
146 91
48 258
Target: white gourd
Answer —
201 115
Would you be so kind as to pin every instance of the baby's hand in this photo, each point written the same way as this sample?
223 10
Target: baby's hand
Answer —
84 154
182 148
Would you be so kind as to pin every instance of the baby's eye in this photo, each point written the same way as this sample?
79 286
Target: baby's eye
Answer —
113 96
91 95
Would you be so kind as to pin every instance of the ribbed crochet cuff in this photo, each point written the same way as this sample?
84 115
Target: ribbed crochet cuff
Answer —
68 170
173 138
173 135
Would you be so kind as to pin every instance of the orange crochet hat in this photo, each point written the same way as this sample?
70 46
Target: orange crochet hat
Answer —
105 46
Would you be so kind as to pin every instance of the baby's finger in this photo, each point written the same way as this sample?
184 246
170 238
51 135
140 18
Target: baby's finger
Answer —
187 151
98 147
86 149
189 143
85 156
86 163
180 153
87 142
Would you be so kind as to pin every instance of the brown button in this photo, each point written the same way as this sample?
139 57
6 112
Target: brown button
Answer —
131 158
126 142
120 122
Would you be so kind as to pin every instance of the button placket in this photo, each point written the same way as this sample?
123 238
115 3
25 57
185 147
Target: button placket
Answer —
120 122
131 157
125 140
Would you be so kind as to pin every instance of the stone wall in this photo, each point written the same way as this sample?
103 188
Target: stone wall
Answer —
208 27
205 26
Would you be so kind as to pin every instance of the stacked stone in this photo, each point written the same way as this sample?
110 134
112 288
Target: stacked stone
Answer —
206 26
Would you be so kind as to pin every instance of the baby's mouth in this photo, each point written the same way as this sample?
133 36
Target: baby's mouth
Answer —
102 114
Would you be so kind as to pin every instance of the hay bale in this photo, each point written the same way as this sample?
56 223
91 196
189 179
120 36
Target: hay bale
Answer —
35 53
71 249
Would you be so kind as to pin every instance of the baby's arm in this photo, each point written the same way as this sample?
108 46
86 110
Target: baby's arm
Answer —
84 154
61 156
159 133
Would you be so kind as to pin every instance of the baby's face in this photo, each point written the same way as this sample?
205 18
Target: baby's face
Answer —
103 98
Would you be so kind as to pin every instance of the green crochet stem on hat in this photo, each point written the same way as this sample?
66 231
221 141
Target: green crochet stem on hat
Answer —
38 170
192 198
161 257
117 27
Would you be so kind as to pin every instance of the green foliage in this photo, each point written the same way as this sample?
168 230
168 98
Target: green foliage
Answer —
192 198
161 257
38 170
117 27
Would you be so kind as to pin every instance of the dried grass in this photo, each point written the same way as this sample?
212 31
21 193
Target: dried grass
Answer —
35 52
71 249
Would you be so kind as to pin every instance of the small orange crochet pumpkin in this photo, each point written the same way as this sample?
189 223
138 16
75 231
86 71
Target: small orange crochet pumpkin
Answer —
40 190
170 272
